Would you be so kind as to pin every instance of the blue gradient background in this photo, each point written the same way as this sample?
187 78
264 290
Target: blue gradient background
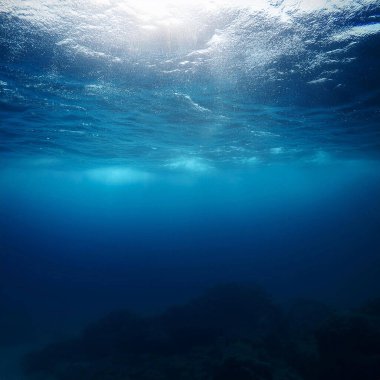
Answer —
146 156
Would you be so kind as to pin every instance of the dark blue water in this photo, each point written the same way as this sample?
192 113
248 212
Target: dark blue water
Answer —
151 151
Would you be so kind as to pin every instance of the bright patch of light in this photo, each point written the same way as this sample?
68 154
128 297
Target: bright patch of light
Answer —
192 164
118 175
357 32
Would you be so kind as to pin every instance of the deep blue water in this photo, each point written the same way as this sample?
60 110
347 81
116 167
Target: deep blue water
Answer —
150 151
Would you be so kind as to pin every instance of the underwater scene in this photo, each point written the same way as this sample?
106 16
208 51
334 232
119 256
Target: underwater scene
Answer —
189 190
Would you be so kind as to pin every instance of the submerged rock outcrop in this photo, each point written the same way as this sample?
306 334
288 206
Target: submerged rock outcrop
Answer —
232 332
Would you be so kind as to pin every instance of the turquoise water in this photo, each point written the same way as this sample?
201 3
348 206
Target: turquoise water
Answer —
151 151
189 86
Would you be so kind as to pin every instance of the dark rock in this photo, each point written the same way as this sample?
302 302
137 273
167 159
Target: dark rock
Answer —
305 316
230 311
349 348
242 370
118 333
372 308
232 332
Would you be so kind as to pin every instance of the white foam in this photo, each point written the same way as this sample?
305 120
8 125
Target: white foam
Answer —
193 164
191 102
70 131
319 81
357 32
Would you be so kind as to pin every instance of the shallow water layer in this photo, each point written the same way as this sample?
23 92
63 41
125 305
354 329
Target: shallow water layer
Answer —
189 85
152 151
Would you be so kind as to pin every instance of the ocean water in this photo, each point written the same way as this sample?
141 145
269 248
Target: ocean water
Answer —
154 150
